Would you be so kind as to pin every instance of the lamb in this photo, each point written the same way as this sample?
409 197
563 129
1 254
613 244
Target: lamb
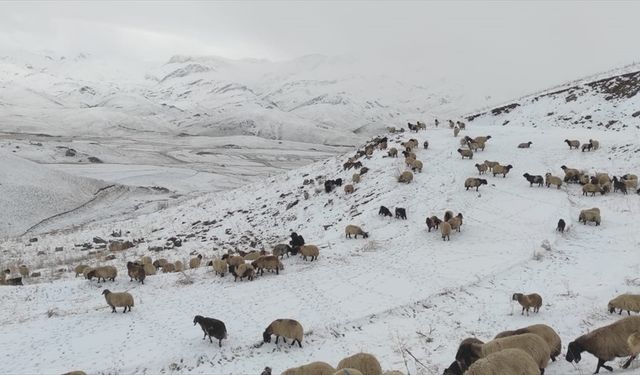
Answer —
310 251
195 262
393 152
548 334
242 271
505 362
405 177
482 168
354 230
285 328
591 215
574 143
401 213
561 225
594 144
348 189
24 271
456 222
356 178
530 343
606 343
118 300
416 166
550 179
313 368
363 362
445 230
136 271
525 145
537 179
473 182
384 211
211 327
528 301
629 302
281 249
433 222
220 267
268 262
465 153
501 169
491 164
105 273
80 269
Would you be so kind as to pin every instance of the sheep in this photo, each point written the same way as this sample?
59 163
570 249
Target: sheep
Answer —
550 179
405 177
285 328
433 222
242 271
86 271
445 230
528 301
409 155
561 225
313 368
465 153
505 362
268 262
634 343
594 144
456 131
536 179
630 176
473 182
482 168
393 152
530 343
448 215
348 189
586 147
482 139
310 251
619 185
606 343
160 263
355 178
501 169
548 334
416 166
401 213
582 179
456 222
146 260
220 267
382 145
281 249
179 266
252 255
570 174
364 362
425 145
464 140
355 230
363 170
574 143
631 183
384 211
168 268
348 371
525 145
211 327
629 302
122 299
233 261
105 273
474 146
195 262
80 269
136 271
24 271
454 368
591 215
408 161
491 164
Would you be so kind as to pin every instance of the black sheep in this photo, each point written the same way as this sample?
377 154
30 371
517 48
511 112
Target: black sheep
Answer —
296 240
338 181
619 185
561 225
211 327
401 213
433 222
425 145
537 179
328 186
384 211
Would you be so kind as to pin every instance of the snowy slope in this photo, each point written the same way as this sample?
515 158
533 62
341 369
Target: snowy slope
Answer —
403 288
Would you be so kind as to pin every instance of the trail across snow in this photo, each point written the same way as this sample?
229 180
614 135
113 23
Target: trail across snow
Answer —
403 288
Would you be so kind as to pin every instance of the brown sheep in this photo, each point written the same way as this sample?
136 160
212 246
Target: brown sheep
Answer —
310 251
552 180
405 177
473 182
501 169
416 166
465 153
482 168
356 178
285 328
491 164
456 222
268 262
393 152
528 301
348 189
354 230
364 362
574 143
445 230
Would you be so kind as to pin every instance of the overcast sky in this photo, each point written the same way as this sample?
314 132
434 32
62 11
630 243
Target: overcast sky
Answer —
528 44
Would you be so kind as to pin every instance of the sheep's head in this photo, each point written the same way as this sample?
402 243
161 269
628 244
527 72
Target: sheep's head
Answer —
488 137
612 308
197 319
482 182
516 296
266 336
105 292
573 352
453 369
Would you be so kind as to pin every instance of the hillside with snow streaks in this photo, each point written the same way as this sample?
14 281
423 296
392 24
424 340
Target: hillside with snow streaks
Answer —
402 288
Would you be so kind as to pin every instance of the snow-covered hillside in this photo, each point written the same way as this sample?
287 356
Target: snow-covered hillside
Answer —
401 290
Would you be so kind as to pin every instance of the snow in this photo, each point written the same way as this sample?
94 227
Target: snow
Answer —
402 288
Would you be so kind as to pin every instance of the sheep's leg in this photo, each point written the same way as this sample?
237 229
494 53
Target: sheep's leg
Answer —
601 363
277 338
628 312
211 341
284 339
220 343
205 335
628 362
